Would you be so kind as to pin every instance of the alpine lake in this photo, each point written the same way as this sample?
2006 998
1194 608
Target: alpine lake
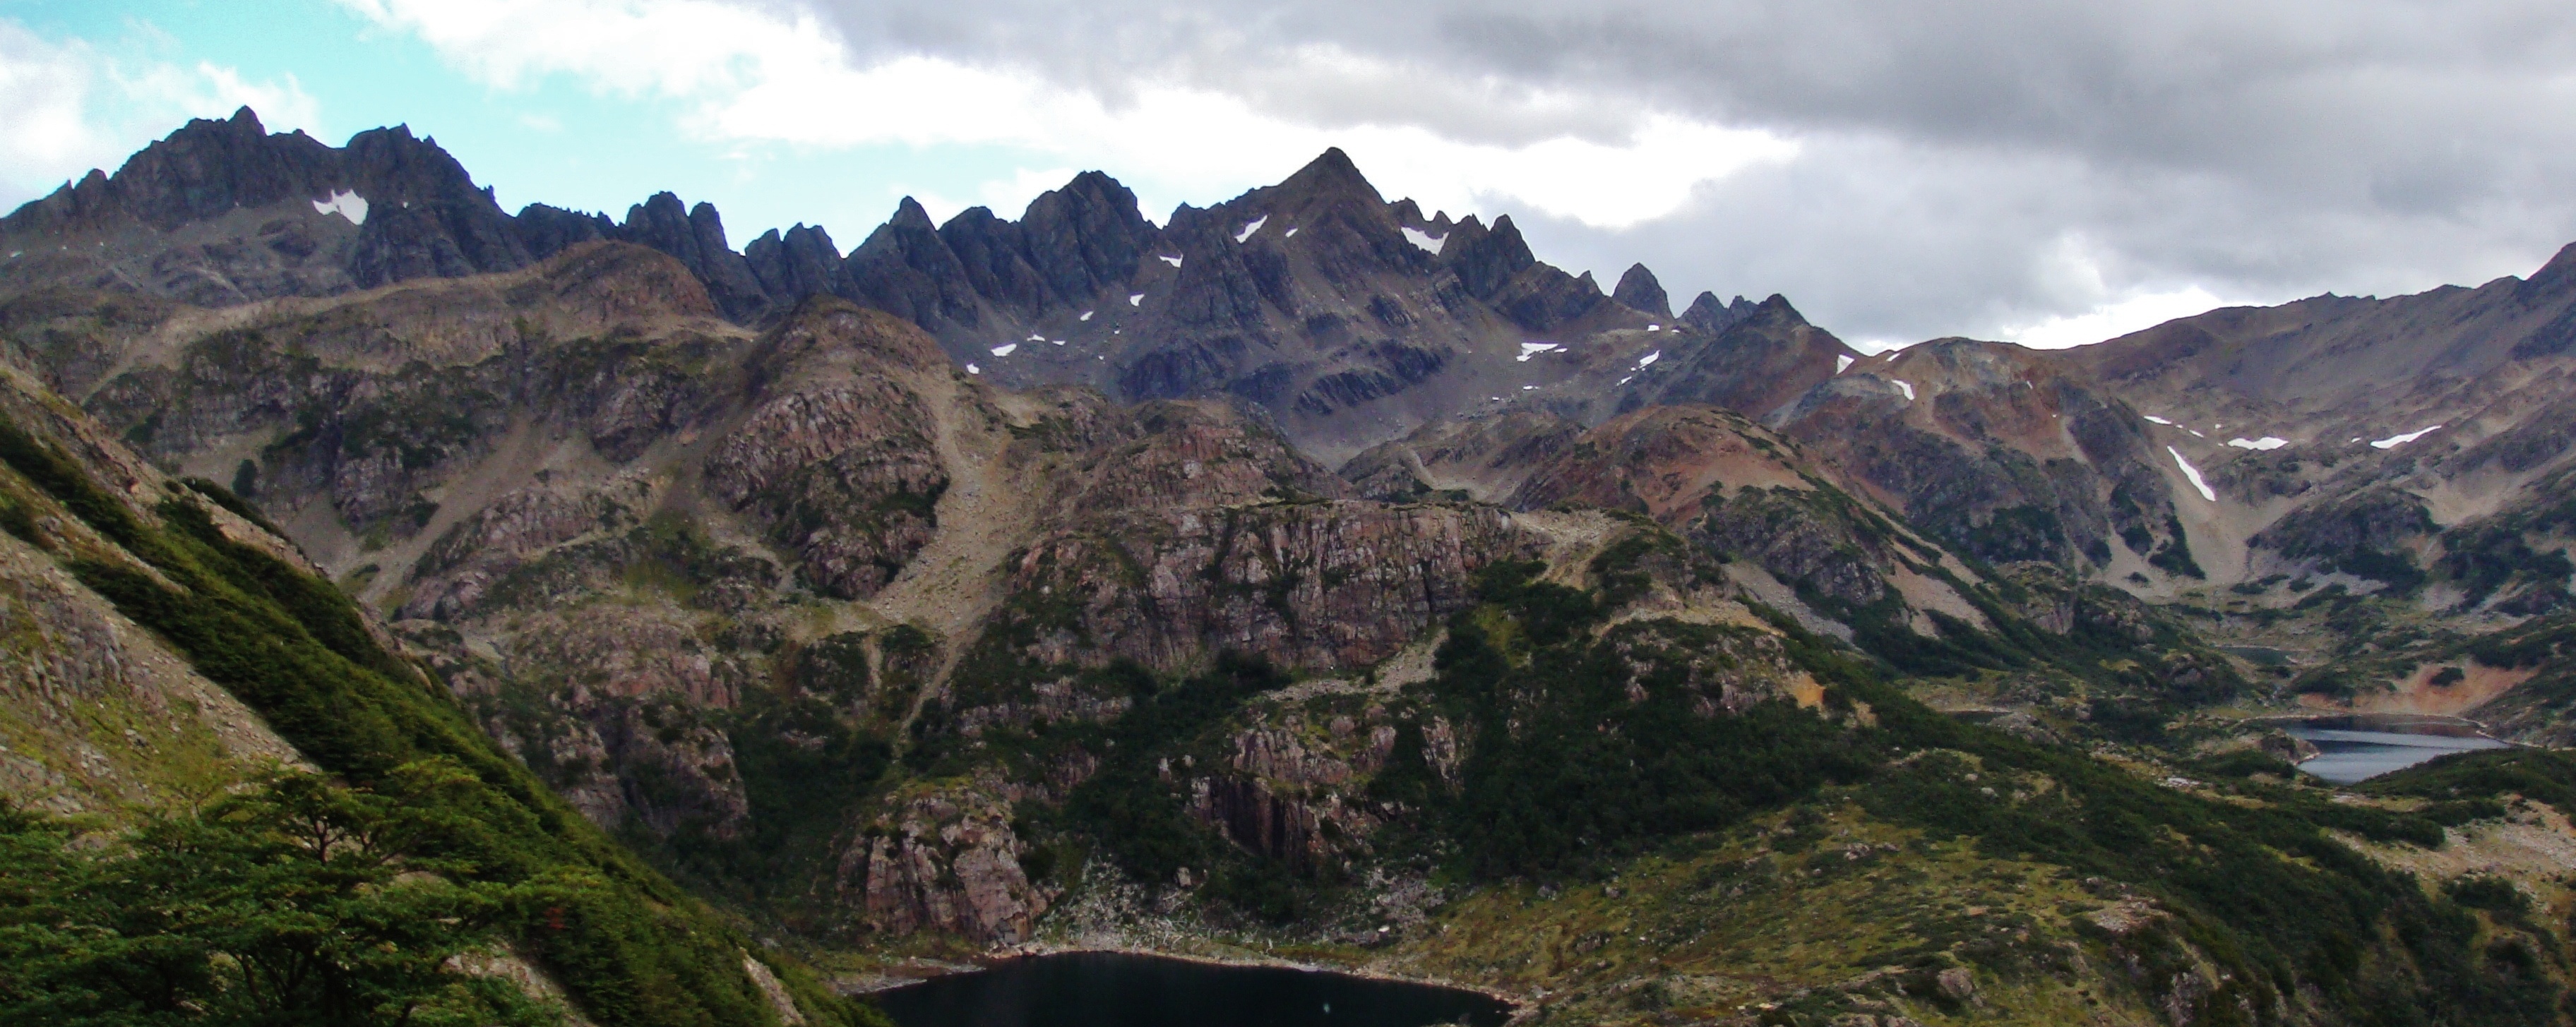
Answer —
1111 989
2362 746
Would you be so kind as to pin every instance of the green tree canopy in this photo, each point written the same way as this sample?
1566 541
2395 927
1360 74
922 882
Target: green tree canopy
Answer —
295 902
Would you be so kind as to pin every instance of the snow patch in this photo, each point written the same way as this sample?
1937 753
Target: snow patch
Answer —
2193 473
1654 328
1174 261
1531 349
1649 359
1086 316
1005 349
1905 387
1292 233
1429 243
1135 299
1842 364
1626 380
1255 226
1037 338
972 369
1526 388
2159 420
346 204
1055 342
2395 441
2266 442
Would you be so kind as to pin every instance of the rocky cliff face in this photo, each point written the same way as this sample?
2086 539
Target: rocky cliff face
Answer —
945 861
1199 532
1484 458
1324 585
1724 484
1754 361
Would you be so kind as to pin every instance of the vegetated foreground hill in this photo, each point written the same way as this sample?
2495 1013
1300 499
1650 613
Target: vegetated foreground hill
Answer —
1613 696
167 646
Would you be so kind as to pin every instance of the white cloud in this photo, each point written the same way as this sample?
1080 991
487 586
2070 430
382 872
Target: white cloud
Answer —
43 88
70 105
671 47
2113 319
166 93
1900 171
750 77
2072 274
1006 196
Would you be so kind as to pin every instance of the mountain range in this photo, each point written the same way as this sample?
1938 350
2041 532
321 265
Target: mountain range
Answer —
1308 570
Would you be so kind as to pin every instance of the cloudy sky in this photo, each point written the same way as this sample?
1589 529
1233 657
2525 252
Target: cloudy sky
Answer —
2049 172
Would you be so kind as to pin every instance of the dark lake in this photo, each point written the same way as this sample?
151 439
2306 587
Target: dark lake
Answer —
1107 989
2364 746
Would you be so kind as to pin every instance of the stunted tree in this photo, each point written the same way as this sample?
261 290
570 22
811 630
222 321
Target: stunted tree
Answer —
297 902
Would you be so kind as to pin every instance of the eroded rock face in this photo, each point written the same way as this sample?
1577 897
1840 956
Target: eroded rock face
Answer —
458 568
1723 670
1291 794
1487 457
1762 355
1798 539
838 459
630 653
1191 531
1047 702
946 861
1336 584
1182 456
2347 531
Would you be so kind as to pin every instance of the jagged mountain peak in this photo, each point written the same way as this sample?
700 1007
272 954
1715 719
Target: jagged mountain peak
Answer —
908 213
1777 307
1709 314
2558 274
1347 318
1639 291
1331 175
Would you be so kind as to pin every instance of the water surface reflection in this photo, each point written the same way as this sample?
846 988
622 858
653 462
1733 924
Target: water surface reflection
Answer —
1109 989
2361 746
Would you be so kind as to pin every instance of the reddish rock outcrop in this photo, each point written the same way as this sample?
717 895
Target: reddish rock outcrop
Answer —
946 861
837 456
1321 585
458 568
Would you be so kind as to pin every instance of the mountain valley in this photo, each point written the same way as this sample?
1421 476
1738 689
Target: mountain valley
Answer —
1299 578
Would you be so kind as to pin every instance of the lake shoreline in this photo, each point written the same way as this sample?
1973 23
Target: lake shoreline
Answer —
1522 1006
1507 1008
2356 747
